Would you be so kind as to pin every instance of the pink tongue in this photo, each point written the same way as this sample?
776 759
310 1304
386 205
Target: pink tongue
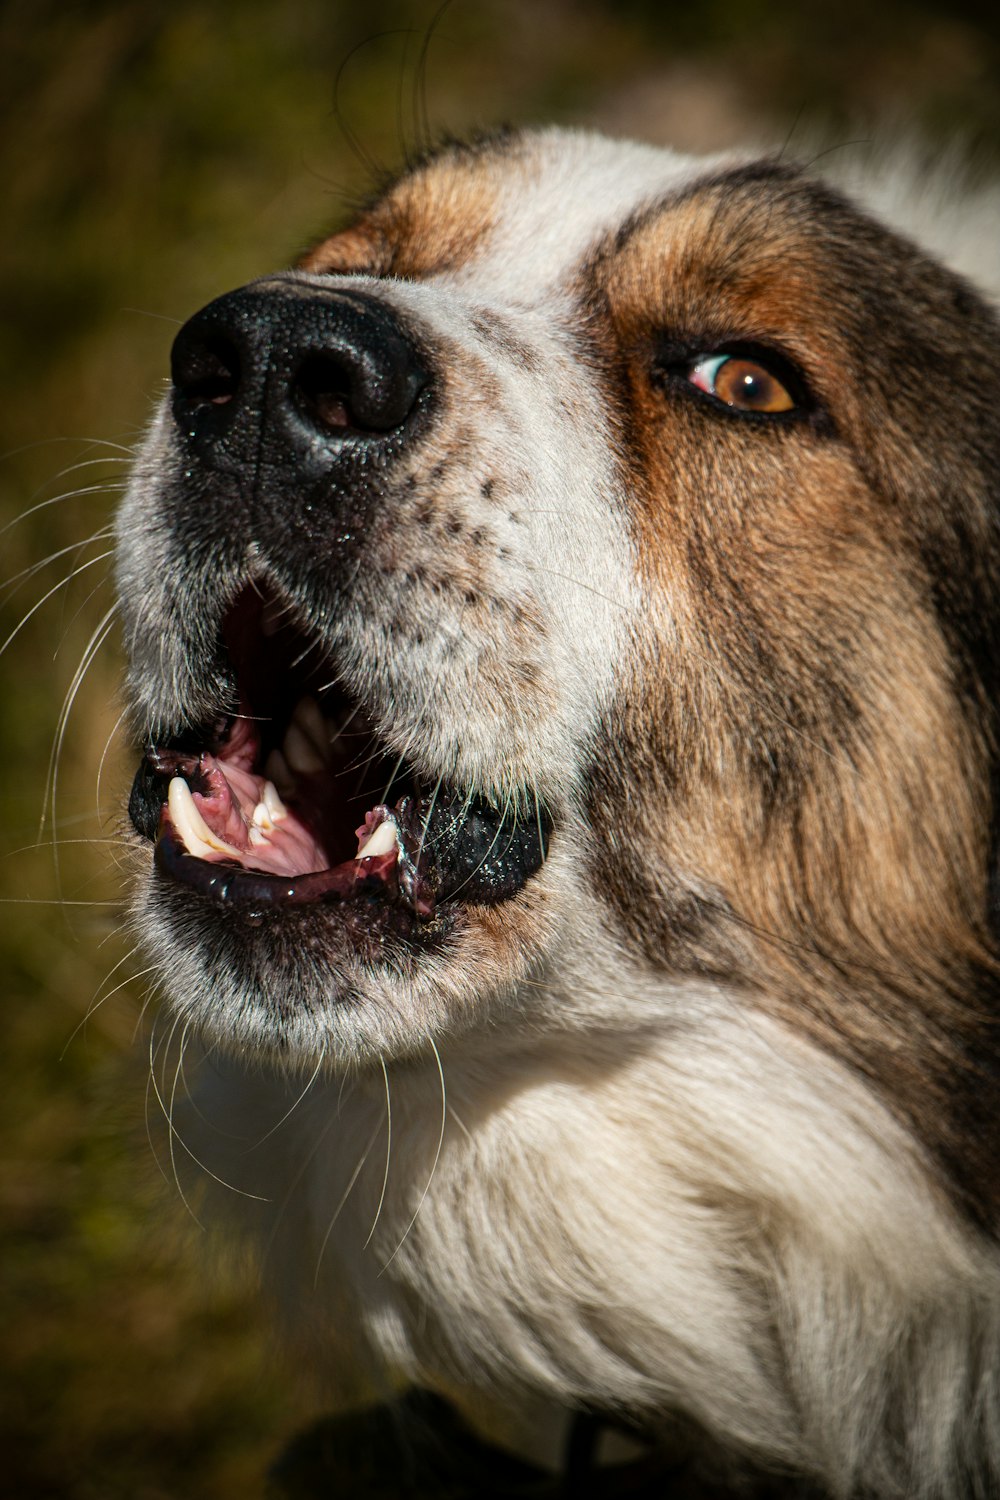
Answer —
227 806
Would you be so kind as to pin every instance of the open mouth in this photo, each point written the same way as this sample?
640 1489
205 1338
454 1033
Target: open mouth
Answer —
296 800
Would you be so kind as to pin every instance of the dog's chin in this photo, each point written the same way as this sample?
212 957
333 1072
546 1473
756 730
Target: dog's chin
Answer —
312 892
340 983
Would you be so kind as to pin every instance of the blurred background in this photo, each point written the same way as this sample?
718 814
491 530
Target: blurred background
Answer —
151 157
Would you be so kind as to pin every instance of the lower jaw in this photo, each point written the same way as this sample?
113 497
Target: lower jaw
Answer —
337 983
330 985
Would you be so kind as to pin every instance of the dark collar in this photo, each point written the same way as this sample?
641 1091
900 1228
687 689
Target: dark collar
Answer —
419 1448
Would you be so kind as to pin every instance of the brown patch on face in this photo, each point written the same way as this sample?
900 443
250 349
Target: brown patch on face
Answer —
360 250
809 718
432 221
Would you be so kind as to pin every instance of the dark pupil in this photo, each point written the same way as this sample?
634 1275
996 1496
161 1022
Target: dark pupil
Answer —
753 387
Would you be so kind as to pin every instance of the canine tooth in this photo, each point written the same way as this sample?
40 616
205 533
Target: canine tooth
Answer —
300 752
382 841
269 810
195 833
276 809
258 836
309 718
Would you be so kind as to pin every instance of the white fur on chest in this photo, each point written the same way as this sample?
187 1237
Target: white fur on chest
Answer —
670 1218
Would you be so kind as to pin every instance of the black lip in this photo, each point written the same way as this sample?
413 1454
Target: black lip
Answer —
150 786
461 849
231 885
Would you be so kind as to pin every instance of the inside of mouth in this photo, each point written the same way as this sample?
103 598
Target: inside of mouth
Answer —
287 810
295 797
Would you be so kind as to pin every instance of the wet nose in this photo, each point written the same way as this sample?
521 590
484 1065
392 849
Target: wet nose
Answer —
284 371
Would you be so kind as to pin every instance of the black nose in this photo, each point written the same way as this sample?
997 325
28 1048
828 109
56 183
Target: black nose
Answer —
283 371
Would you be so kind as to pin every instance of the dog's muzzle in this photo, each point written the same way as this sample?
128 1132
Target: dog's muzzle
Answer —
292 401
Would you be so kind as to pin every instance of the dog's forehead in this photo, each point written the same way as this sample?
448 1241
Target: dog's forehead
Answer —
521 212
560 195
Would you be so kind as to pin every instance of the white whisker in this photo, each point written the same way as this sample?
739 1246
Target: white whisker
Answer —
388 1153
100 765
100 999
293 1107
434 1163
93 646
81 493
90 563
174 1135
343 1199
13 583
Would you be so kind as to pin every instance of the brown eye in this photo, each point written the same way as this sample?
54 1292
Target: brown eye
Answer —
740 382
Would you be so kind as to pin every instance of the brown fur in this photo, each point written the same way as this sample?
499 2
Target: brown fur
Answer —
812 761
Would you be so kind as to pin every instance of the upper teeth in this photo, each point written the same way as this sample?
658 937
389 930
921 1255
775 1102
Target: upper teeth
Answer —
194 832
305 751
301 754
272 803
279 773
269 810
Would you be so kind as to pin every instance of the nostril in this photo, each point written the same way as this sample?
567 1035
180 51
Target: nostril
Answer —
206 371
361 376
321 392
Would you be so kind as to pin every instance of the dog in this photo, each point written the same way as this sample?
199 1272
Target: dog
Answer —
563 621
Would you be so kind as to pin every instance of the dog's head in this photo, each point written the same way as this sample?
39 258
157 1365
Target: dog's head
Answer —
610 539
